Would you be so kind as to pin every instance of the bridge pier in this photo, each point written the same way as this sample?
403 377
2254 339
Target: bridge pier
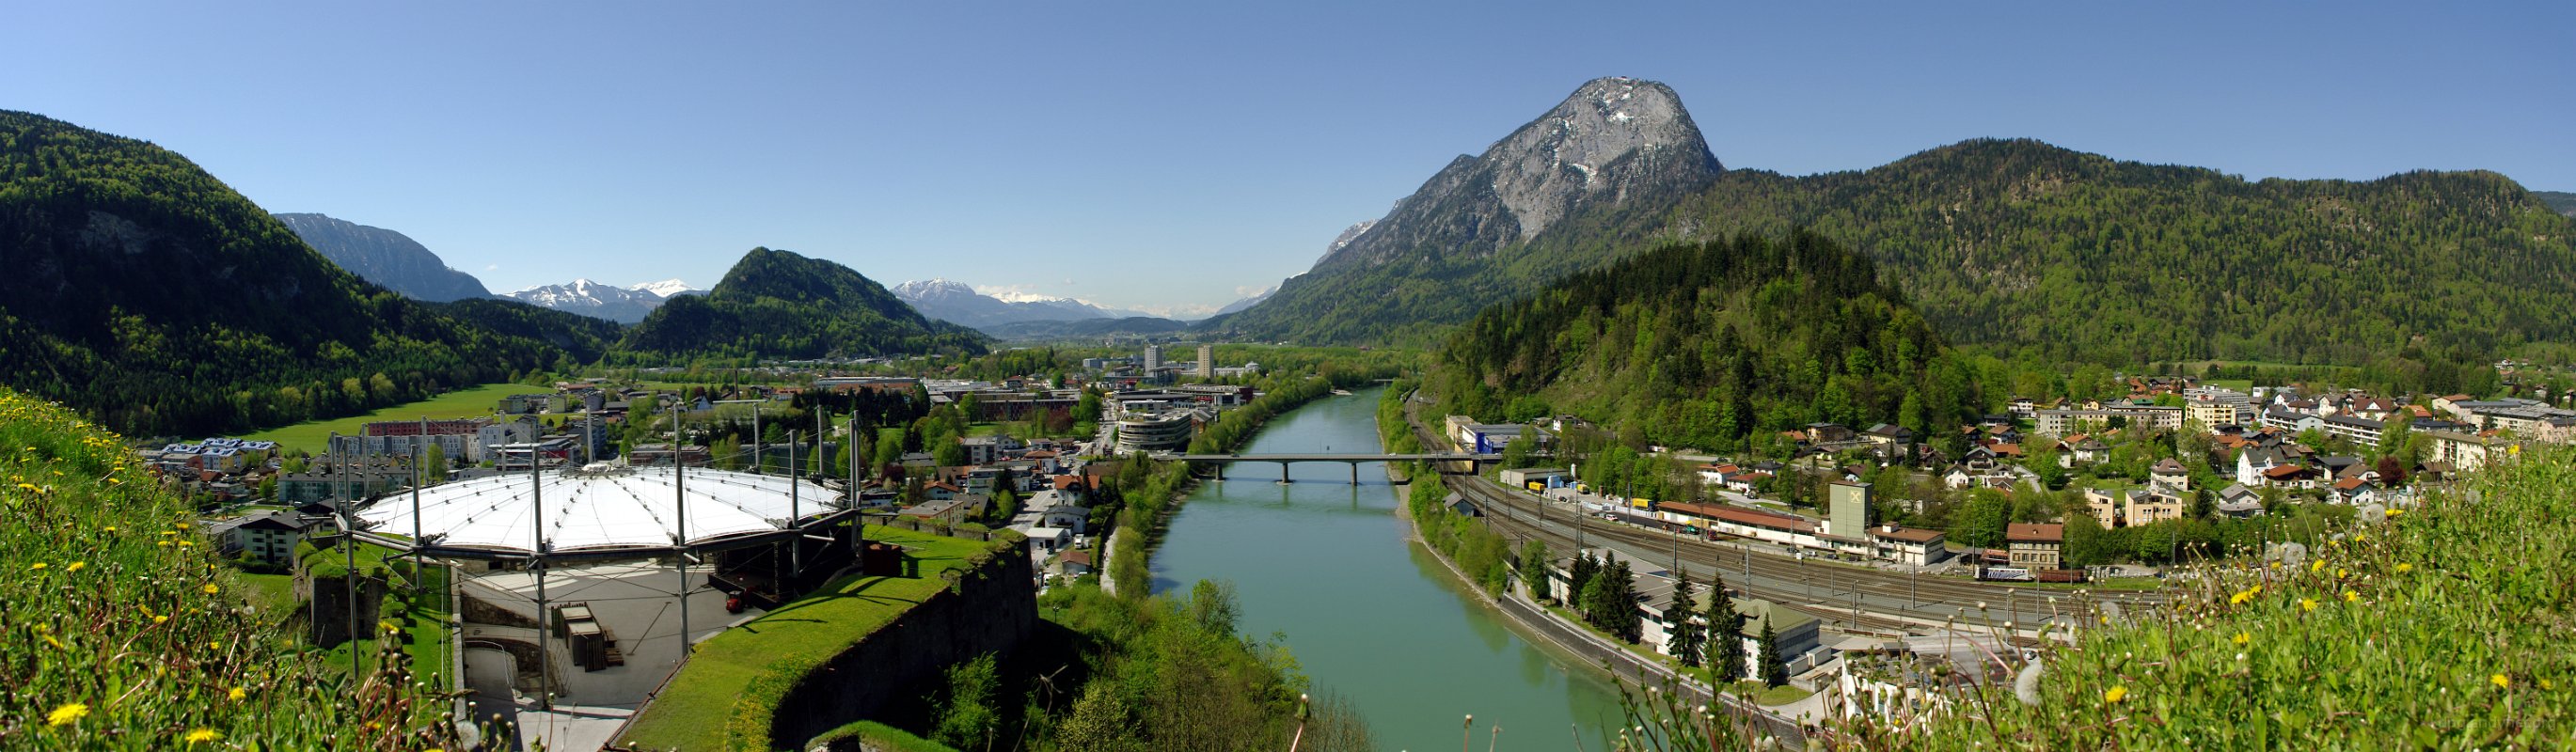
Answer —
1283 471
1355 473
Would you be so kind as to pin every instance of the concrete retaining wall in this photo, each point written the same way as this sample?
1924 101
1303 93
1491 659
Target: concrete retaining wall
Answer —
990 611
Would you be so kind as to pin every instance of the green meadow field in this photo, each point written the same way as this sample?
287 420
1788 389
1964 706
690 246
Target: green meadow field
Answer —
467 403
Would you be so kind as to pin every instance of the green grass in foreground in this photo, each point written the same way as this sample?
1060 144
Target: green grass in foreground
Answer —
479 401
880 736
125 631
693 711
2444 627
424 636
272 594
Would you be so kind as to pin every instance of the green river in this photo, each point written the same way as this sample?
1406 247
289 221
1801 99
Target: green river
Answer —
1369 614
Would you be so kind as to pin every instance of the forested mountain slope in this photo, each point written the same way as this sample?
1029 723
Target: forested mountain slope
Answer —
1713 345
582 338
146 293
2020 244
776 304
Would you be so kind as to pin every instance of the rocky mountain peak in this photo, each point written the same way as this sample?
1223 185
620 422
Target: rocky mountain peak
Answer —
1576 150
1613 141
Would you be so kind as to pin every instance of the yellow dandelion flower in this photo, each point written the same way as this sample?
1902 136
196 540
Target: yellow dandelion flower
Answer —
2307 604
2116 694
35 566
2360 536
2316 566
2403 567
75 566
2350 596
2244 637
2501 681
111 528
237 693
2395 512
212 588
67 713
202 735
157 618
2341 572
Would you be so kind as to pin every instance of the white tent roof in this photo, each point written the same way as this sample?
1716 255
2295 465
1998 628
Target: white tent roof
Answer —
622 508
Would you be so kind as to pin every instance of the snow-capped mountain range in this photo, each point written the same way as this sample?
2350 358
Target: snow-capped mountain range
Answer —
960 303
625 305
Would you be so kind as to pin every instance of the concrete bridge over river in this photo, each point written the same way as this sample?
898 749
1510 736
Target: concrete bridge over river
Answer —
1353 458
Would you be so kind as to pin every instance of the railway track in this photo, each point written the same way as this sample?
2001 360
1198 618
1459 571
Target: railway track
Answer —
1858 597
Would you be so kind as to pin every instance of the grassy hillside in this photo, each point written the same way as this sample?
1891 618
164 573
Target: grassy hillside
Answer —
124 631
2443 627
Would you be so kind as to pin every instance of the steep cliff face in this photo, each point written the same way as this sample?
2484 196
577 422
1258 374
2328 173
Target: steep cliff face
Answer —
1612 141
390 259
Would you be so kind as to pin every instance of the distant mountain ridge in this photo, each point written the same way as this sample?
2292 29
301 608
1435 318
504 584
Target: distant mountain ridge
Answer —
2560 201
959 303
1039 331
666 288
624 305
776 304
1247 303
387 258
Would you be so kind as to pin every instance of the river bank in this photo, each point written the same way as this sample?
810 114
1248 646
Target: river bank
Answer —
1366 613
1536 621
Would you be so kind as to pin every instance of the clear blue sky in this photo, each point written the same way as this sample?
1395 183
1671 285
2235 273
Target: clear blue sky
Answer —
1170 155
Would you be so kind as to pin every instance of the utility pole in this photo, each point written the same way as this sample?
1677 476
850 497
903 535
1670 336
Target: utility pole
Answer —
545 621
417 477
795 541
680 499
